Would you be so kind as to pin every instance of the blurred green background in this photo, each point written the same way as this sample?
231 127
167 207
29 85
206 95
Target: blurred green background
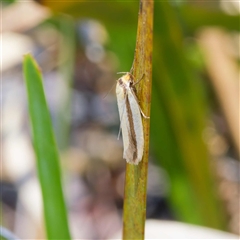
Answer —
194 167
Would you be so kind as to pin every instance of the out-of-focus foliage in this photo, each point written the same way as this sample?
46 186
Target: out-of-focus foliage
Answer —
7 2
178 118
196 17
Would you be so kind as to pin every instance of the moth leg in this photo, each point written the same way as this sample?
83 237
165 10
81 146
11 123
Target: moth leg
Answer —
135 97
139 80
146 117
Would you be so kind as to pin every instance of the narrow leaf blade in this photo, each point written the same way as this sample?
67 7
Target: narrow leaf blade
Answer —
46 153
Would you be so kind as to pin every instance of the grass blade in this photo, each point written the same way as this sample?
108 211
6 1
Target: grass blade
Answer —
46 153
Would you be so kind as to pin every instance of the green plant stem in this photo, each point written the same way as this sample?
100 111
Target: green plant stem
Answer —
134 214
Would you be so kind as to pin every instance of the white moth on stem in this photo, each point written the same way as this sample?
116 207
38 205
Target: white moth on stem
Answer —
130 119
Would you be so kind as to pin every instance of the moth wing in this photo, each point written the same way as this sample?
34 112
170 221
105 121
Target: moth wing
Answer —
124 124
131 125
138 126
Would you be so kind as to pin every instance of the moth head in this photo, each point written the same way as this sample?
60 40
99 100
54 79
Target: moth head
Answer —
126 80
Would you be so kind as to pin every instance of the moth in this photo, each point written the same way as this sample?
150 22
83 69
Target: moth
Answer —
130 119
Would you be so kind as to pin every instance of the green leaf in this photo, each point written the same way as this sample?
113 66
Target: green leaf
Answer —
46 153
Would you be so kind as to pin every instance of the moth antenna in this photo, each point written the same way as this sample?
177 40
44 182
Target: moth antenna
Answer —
120 127
121 72
131 70
109 90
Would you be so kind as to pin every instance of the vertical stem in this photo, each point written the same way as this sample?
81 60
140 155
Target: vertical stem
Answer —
136 175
